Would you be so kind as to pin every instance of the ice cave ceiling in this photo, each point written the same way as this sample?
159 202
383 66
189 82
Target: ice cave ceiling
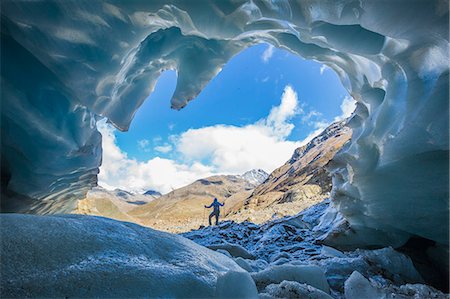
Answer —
66 63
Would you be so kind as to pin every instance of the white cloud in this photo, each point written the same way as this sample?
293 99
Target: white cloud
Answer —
279 115
143 145
265 79
323 68
234 149
307 118
163 148
267 54
347 107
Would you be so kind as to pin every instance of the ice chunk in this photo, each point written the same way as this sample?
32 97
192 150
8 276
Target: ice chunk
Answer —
311 275
243 264
329 251
86 256
394 266
293 290
280 255
223 251
397 267
236 285
357 287
233 249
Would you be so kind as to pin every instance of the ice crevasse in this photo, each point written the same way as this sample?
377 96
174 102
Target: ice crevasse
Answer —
65 64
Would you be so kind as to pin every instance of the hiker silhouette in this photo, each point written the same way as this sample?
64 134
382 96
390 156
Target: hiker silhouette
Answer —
216 211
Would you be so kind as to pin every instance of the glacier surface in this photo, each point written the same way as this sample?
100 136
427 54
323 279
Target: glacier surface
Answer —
65 64
94 257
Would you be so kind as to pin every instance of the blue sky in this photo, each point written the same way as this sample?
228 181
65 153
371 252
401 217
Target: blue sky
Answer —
250 93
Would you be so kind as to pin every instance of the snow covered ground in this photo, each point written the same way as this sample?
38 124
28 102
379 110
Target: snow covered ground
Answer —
87 256
286 260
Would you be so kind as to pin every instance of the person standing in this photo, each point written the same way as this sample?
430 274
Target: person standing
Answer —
216 211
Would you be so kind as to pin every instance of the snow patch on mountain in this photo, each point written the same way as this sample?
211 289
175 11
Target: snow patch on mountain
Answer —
255 176
153 193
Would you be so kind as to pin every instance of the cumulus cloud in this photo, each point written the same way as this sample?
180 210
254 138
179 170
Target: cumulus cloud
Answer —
348 105
143 145
233 149
267 54
279 116
236 149
163 148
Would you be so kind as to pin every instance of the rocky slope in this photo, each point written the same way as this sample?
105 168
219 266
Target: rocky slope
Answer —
299 183
183 208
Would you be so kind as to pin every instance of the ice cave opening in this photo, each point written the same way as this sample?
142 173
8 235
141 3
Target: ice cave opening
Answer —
263 105
64 64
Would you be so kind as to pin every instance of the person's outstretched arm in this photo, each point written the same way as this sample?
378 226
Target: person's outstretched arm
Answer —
208 206
222 204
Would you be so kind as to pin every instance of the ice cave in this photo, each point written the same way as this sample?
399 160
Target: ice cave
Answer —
67 64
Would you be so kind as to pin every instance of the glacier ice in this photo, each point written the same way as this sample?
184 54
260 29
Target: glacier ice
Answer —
233 249
292 290
87 256
236 285
308 274
66 63
357 286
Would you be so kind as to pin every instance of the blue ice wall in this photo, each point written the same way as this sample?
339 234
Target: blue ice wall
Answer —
63 62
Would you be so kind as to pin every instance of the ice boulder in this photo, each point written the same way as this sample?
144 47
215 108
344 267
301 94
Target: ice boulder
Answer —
391 264
233 249
358 287
293 290
311 275
86 256
236 285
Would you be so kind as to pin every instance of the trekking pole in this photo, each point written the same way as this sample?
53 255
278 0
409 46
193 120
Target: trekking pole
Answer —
204 212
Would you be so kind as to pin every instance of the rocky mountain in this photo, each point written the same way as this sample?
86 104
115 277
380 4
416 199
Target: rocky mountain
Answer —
153 193
133 198
299 183
255 176
111 203
183 208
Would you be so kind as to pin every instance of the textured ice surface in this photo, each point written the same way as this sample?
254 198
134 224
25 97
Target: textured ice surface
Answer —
311 275
357 287
288 261
86 257
64 61
293 290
